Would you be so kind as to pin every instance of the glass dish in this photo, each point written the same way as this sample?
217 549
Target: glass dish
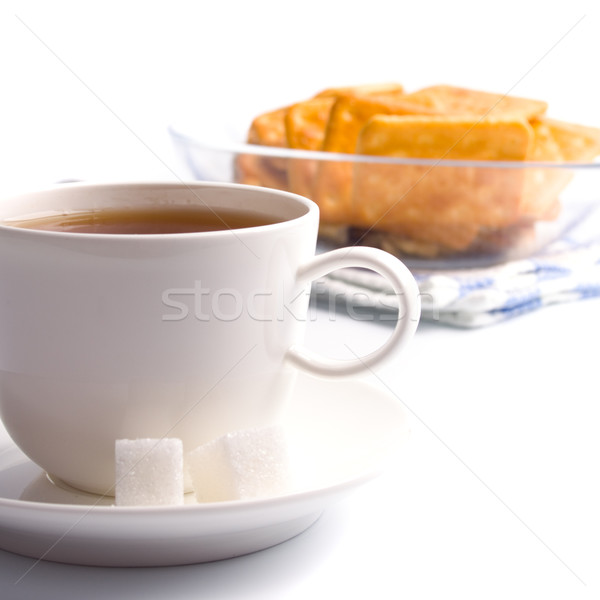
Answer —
433 214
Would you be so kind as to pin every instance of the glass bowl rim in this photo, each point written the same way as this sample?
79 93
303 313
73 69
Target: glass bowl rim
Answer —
293 153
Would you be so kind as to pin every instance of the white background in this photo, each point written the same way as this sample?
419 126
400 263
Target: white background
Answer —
89 88
498 495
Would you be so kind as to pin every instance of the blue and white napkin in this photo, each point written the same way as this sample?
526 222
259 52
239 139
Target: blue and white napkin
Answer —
567 270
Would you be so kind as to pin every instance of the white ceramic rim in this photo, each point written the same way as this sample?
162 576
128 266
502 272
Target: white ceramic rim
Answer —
311 209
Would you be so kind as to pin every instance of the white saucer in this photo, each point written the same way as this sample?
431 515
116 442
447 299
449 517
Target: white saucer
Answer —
342 433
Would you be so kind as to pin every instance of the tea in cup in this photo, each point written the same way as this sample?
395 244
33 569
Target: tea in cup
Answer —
150 310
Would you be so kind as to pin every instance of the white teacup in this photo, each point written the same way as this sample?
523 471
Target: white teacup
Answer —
191 335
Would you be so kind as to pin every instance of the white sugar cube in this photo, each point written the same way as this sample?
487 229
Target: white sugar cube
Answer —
246 464
149 472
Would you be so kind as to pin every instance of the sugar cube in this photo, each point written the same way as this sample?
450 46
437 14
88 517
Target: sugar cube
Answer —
149 472
251 463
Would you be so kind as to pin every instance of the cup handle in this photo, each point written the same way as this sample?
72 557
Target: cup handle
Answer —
404 286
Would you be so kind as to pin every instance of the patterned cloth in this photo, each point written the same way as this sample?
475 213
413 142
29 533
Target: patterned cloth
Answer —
567 270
